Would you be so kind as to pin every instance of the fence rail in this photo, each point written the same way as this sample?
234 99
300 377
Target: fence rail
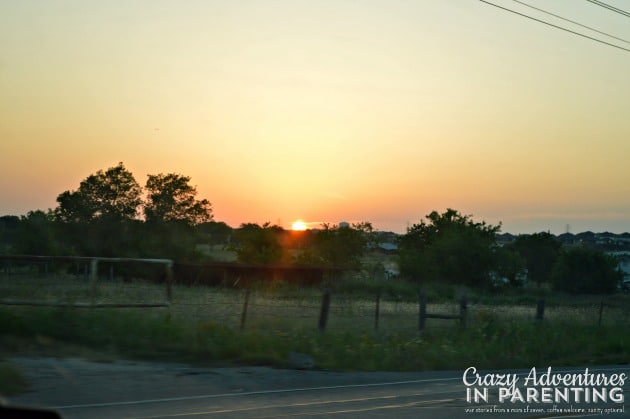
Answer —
81 305
97 287
90 274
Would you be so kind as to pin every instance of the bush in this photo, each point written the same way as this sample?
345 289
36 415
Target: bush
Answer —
583 271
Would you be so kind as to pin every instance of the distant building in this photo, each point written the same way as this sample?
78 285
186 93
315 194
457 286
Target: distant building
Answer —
505 239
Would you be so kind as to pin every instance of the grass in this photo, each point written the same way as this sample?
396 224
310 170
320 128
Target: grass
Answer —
11 380
489 342
203 326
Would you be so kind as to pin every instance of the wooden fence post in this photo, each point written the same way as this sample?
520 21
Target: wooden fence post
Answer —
463 309
422 316
169 282
377 309
323 314
244 313
93 278
540 310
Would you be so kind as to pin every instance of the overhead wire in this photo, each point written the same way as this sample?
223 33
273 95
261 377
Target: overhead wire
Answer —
571 21
555 26
609 7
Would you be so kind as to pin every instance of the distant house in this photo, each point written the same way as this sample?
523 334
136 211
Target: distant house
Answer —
624 263
387 248
623 258
505 239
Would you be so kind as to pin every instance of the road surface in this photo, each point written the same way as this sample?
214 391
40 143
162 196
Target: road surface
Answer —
81 389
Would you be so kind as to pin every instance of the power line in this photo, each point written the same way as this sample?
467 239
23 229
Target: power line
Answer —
556 26
609 7
572 21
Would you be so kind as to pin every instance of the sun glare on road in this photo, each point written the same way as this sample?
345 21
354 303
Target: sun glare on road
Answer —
298 225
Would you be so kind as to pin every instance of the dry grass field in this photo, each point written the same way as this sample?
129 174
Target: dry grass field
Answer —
204 324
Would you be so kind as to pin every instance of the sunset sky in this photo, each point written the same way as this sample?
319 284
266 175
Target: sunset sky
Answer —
328 110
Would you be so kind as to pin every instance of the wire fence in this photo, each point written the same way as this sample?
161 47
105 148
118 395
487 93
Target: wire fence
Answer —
117 284
83 282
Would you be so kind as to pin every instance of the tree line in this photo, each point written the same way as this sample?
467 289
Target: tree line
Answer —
452 247
111 215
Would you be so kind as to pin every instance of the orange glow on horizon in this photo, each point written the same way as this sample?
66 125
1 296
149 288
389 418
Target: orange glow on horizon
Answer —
368 120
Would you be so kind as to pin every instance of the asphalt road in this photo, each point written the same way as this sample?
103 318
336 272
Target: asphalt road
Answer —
82 389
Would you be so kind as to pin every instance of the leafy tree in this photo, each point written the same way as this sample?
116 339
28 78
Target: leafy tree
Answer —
449 247
172 214
509 264
36 234
9 226
585 270
112 195
540 251
341 246
170 240
97 218
254 243
172 198
213 232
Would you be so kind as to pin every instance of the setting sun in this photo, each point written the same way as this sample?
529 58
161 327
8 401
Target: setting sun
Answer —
272 117
299 225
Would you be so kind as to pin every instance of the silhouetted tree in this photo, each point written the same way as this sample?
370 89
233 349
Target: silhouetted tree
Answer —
97 217
510 265
340 246
36 234
112 195
213 232
9 227
170 197
171 214
586 270
540 251
257 244
449 247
